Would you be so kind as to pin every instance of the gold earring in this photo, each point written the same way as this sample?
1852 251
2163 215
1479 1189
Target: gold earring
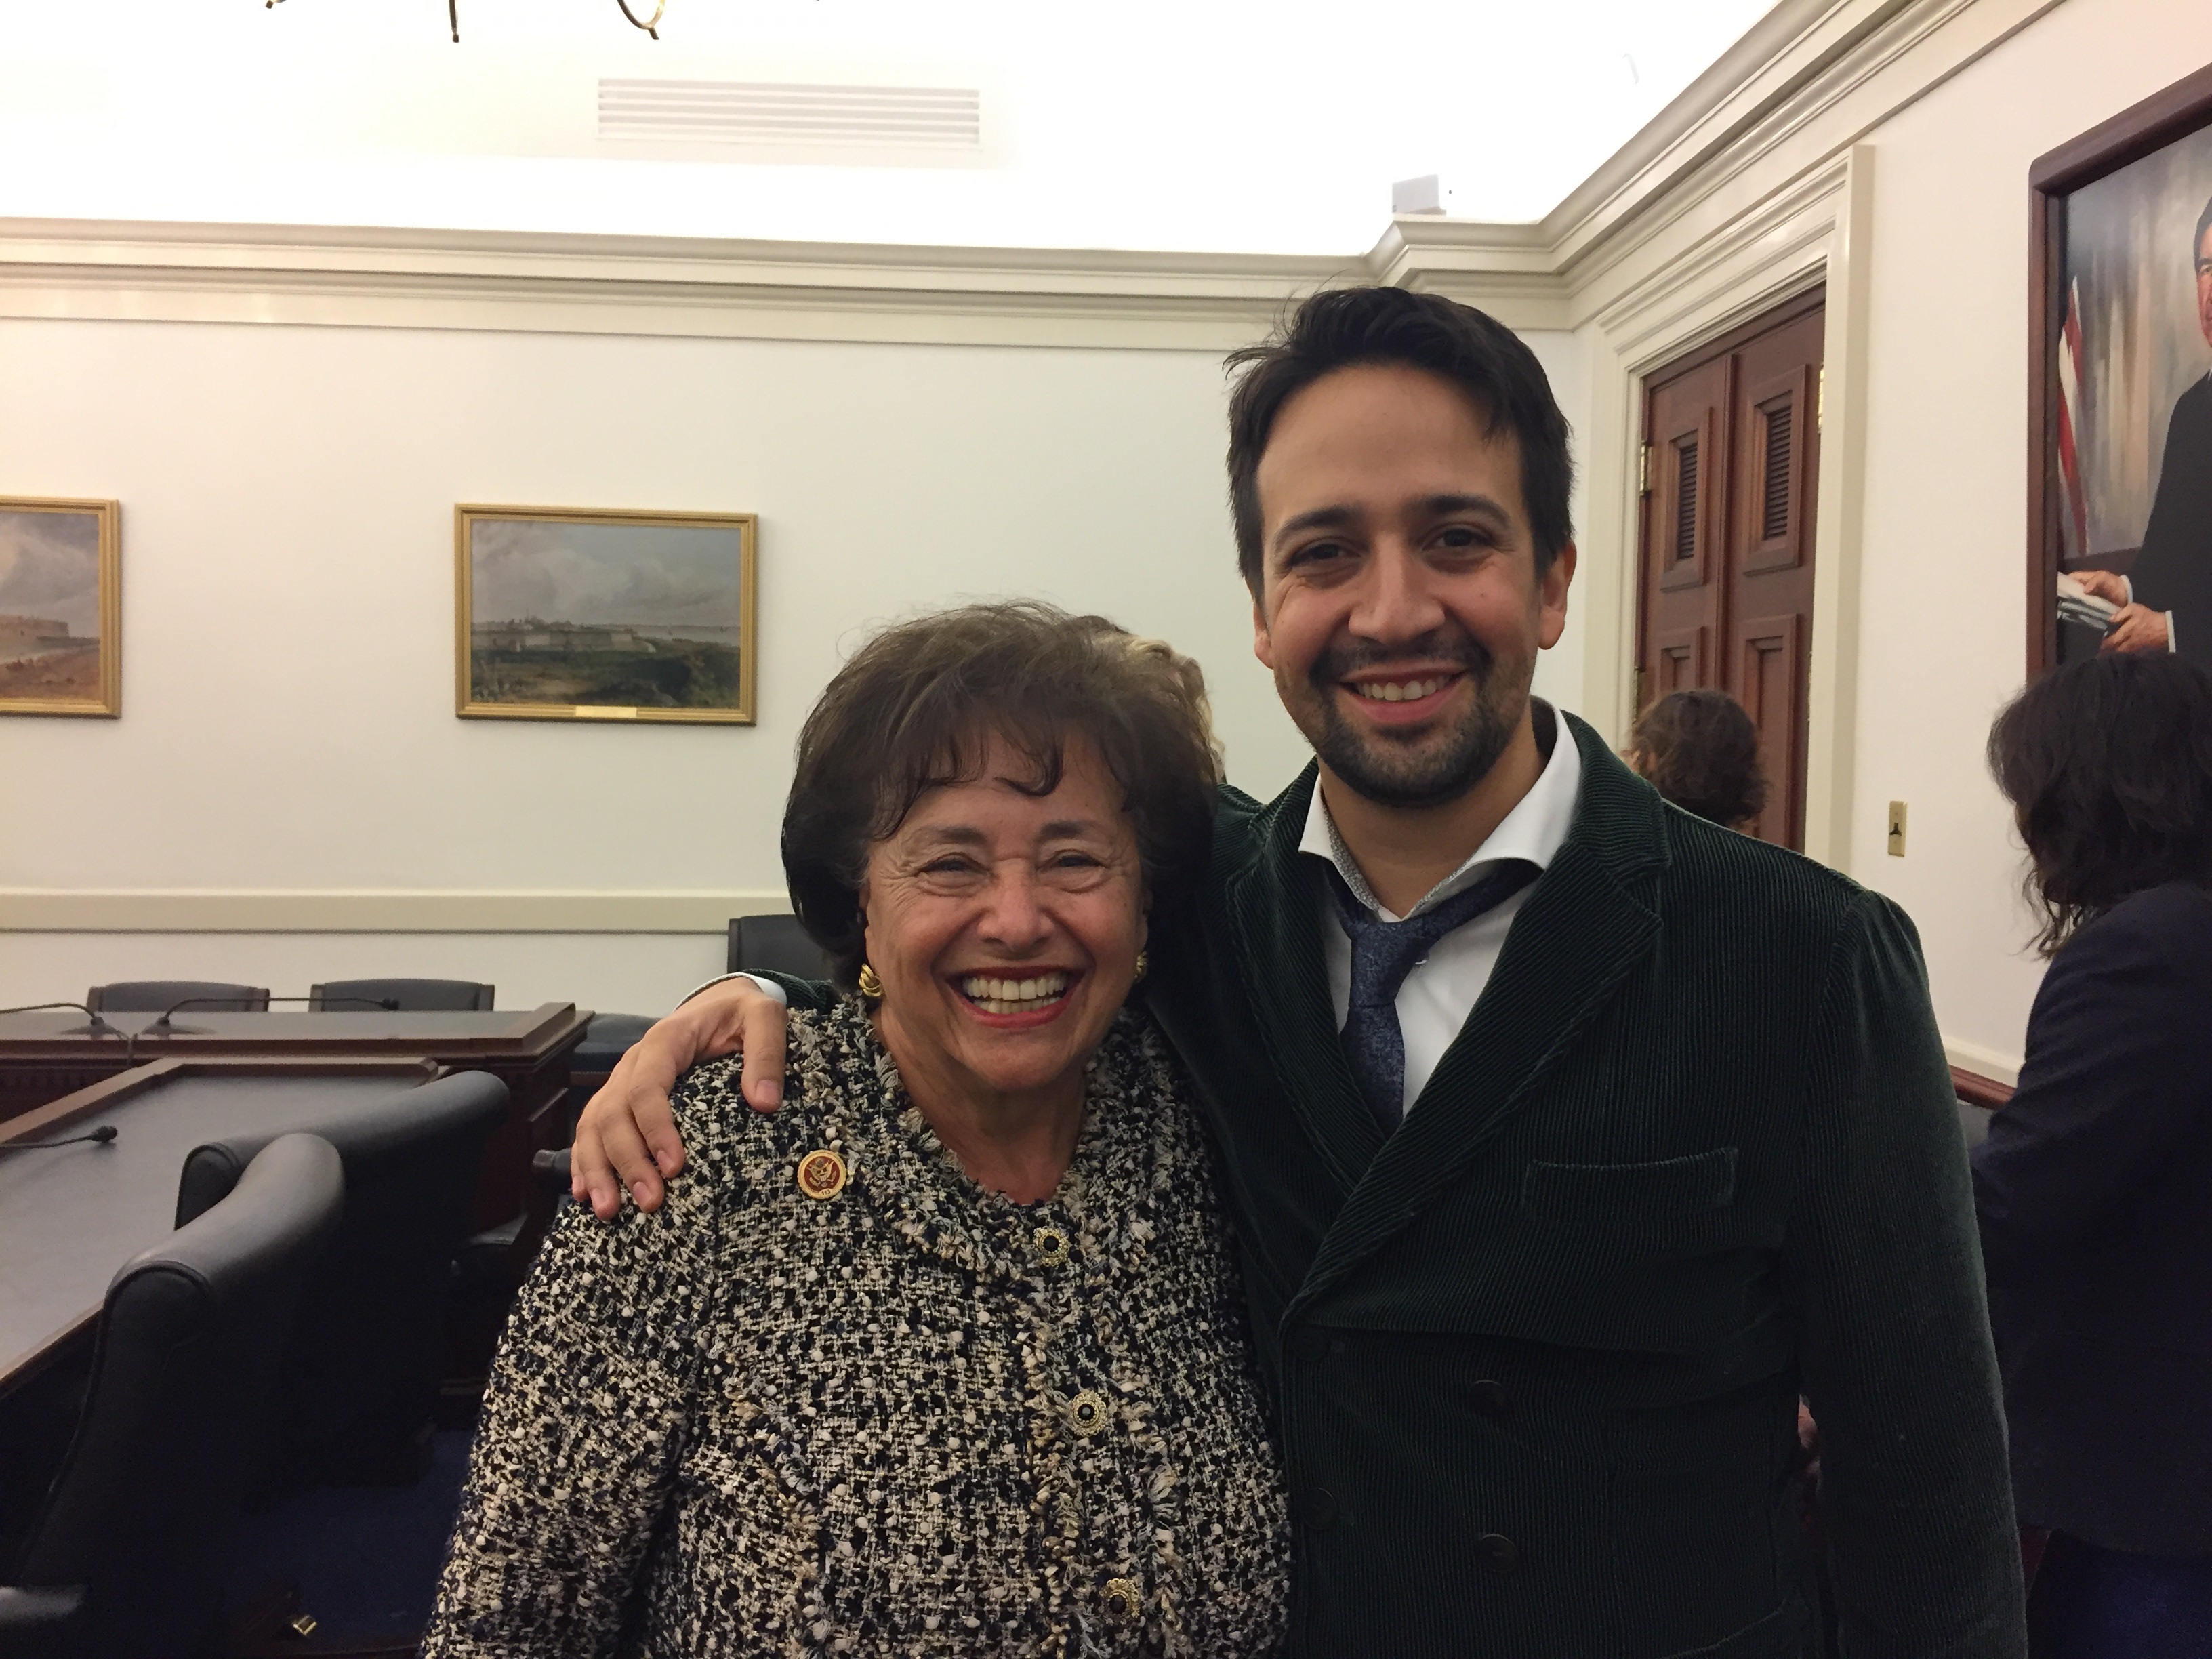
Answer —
871 987
1143 963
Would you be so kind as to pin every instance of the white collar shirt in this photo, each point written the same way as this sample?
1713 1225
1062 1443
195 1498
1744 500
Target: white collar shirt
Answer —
1441 990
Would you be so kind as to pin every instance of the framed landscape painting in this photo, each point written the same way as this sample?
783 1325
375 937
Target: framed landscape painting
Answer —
2120 385
569 614
61 607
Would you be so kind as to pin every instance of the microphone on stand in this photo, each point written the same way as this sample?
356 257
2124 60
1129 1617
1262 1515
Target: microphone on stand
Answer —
166 1027
104 1135
93 1025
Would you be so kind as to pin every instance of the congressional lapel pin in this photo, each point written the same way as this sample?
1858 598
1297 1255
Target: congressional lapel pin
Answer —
822 1175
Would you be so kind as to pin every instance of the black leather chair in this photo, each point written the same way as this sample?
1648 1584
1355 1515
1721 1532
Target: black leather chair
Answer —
606 1039
151 996
425 996
1974 1123
127 1559
359 1383
775 945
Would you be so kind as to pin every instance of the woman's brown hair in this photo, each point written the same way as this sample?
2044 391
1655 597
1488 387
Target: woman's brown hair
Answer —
1700 751
916 707
2108 765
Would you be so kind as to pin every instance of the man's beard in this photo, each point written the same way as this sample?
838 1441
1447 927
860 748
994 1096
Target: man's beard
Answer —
1419 770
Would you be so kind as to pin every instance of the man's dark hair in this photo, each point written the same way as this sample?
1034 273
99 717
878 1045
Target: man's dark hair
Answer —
1700 751
2108 765
916 707
2204 224
1352 327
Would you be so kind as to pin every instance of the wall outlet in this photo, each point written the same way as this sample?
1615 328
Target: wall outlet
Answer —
1897 829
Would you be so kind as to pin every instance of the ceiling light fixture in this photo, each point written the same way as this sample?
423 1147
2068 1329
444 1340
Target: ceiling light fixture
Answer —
651 26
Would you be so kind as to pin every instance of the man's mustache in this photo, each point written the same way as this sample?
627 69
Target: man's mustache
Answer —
1344 658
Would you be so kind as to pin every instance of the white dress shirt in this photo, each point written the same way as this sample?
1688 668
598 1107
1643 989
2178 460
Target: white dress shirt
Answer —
1441 991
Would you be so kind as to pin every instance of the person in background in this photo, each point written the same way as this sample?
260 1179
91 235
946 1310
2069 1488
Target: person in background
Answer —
1699 750
2094 1187
949 1355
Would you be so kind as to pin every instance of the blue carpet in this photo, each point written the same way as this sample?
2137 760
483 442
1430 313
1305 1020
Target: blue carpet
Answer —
366 1559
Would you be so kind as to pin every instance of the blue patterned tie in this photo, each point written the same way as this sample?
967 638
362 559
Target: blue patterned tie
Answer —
1382 954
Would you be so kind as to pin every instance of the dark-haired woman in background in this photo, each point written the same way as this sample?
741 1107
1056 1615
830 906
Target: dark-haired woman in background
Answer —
2094 1188
1700 751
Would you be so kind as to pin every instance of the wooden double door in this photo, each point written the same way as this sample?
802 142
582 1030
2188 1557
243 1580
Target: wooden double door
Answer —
1731 454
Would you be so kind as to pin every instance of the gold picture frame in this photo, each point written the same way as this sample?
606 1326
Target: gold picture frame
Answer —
604 614
61 569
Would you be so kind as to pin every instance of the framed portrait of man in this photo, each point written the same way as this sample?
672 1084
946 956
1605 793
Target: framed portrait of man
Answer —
2120 386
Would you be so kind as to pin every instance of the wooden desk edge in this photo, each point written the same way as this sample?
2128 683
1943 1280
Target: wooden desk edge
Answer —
27 1365
538 1033
110 1092
1976 1090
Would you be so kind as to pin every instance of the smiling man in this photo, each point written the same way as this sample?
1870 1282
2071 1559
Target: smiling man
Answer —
1569 1138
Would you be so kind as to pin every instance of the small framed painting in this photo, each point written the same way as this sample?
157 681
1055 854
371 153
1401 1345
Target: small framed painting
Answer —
61 607
575 614
2120 385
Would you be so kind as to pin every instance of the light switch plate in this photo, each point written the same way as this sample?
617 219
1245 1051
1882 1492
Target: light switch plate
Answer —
1897 829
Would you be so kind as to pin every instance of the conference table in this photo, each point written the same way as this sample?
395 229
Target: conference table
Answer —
47 1055
71 1215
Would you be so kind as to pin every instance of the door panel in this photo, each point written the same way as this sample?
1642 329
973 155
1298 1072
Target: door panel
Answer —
1780 439
1679 661
1770 683
1685 526
1733 431
1690 526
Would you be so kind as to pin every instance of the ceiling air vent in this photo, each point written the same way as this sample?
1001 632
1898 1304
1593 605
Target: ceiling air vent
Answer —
788 116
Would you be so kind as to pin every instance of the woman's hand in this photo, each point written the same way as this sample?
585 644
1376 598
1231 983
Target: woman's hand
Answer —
626 1138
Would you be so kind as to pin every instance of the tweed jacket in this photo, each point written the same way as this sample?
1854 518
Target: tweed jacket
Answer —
1537 1354
898 1414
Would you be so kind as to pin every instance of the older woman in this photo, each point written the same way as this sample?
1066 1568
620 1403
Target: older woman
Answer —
2091 1186
947 1356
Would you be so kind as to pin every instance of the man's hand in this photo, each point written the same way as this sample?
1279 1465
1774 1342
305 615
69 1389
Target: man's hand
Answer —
2135 628
2107 585
626 1138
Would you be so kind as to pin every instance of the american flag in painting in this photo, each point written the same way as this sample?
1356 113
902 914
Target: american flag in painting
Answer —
2074 523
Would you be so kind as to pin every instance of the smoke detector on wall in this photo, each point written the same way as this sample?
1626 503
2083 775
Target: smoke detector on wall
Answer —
1426 194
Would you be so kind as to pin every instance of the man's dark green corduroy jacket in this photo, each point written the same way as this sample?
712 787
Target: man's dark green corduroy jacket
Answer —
1537 1355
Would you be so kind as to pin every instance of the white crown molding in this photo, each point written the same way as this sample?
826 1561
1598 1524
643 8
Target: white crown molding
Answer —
1777 110
645 285
1811 79
1870 73
87 910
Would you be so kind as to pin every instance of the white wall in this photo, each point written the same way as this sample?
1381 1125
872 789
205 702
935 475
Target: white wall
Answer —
1943 628
288 497
1566 365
